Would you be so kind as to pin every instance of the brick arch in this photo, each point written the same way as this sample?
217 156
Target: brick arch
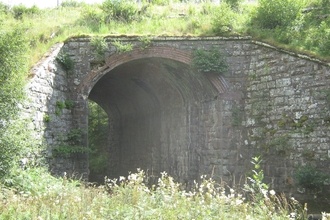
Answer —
115 60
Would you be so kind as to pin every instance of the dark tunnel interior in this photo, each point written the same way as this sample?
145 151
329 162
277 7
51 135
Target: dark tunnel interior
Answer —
146 101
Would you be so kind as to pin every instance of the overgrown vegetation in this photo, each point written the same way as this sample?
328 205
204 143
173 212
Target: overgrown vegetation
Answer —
98 132
37 195
71 144
211 61
29 192
100 46
310 178
14 138
66 62
122 47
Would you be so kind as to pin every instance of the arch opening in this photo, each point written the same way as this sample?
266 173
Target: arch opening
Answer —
150 103
98 141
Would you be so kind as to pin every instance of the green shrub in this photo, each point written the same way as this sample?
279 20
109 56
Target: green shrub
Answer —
72 3
69 104
222 19
65 61
13 69
100 46
72 144
21 10
234 4
209 61
146 42
98 131
17 141
4 9
91 17
60 105
276 13
308 177
120 10
323 37
122 48
47 118
160 2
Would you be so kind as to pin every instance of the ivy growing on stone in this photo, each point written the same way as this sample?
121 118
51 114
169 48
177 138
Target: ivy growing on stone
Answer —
72 144
209 61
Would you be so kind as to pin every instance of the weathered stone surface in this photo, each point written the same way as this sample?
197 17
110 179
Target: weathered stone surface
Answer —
166 116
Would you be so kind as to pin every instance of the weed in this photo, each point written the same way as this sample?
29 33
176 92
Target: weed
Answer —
47 118
237 115
69 104
100 46
223 18
209 61
308 177
280 144
71 145
60 105
66 62
146 42
257 185
122 48
58 112
125 11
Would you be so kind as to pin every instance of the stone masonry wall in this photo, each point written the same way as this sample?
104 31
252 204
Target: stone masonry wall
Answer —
271 103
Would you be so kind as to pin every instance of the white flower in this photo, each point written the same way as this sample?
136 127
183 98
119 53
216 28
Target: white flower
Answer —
272 192
238 202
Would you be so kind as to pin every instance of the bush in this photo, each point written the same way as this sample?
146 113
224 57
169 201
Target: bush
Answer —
13 47
16 142
21 10
209 61
65 61
273 13
160 2
119 10
98 131
72 3
100 46
92 17
308 177
234 4
4 9
223 19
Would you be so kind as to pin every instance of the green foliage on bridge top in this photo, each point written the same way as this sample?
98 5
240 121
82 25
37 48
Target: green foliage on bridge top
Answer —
296 24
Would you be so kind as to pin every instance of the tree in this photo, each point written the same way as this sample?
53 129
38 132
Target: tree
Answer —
13 69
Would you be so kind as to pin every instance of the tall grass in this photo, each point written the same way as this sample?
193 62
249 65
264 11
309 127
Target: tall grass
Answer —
41 196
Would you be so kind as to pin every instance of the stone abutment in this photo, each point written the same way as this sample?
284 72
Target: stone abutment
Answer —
166 116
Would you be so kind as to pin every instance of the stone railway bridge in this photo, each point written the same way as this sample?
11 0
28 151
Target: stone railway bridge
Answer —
166 116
